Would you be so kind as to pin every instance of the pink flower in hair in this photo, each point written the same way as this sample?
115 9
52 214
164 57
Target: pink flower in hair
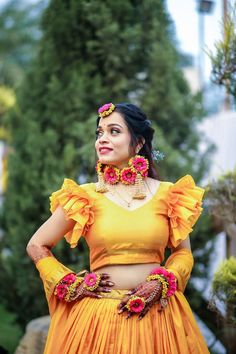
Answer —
106 109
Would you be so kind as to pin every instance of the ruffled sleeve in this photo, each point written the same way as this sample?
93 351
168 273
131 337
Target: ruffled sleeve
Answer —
77 206
183 207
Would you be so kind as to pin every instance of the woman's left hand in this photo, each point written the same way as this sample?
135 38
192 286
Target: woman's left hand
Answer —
149 290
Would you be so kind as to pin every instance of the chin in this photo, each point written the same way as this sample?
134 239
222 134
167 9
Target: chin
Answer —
105 161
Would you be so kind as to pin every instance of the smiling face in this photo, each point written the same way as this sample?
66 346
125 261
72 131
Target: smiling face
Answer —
113 144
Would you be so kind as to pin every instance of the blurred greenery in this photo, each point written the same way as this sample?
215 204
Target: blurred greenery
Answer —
224 287
91 52
20 34
10 332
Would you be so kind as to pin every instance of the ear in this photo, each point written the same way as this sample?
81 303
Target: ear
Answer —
140 145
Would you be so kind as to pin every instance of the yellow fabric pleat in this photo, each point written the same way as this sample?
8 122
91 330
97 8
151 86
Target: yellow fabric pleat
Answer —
77 206
183 206
93 326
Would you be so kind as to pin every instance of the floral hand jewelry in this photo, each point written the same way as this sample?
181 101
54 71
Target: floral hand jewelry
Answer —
168 281
91 281
66 288
73 287
136 304
159 286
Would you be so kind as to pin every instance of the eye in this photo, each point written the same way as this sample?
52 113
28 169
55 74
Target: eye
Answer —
115 130
99 133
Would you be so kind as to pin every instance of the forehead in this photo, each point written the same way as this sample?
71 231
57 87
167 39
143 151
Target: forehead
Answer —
113 118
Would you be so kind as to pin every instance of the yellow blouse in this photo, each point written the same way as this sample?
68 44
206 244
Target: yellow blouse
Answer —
119 236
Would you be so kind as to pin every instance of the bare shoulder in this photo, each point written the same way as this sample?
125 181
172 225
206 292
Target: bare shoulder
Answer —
153 184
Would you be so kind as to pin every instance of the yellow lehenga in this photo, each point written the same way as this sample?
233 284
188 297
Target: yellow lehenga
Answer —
118 236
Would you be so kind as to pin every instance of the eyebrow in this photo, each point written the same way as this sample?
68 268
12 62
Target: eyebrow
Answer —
111 124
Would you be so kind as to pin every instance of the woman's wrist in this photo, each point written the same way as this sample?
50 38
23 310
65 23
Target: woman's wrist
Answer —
38 252
168 282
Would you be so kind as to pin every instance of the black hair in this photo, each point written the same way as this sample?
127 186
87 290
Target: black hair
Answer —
139 127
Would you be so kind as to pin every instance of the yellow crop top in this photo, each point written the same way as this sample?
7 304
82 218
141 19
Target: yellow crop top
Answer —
119 236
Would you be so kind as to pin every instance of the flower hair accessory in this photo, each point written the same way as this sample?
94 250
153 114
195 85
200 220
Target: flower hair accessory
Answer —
106 109
157 155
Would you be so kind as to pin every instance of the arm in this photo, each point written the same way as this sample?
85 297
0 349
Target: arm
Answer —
39 249
48 235
50 269
180 263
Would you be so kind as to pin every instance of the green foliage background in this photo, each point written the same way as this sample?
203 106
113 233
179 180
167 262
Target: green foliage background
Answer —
91 52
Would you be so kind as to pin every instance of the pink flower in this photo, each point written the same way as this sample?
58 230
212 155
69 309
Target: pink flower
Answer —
61 291
144 173
170 278
111 174
90 279
136 304
171 290
160 271
105 107
69 278
128 175
140 164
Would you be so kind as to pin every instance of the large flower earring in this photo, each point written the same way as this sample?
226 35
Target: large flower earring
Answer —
100 186
140 165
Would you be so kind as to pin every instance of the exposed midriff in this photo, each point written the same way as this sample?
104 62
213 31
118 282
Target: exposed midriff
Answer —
127 276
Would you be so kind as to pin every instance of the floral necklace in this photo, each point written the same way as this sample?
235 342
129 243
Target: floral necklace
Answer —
133 175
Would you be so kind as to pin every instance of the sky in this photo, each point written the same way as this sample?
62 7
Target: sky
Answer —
186 18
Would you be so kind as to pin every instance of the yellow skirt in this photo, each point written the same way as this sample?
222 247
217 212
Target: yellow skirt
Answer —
93 326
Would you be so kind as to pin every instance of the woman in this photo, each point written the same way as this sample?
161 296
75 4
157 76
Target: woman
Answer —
129 303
